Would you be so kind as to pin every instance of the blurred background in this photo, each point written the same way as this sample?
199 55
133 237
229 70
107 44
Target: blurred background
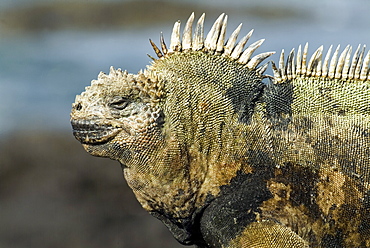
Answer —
54 194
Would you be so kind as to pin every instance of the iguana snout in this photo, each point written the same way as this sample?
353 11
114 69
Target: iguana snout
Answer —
118 114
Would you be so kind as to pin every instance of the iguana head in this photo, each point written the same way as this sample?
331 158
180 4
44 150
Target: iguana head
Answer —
118 115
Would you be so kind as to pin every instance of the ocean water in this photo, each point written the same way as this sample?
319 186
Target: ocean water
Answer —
41 72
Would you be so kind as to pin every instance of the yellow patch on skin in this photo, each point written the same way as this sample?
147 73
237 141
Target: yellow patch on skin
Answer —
280 208
247 169
220 171
353 240
330 193
339 198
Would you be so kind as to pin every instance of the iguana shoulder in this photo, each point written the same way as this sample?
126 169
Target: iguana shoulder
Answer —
227 160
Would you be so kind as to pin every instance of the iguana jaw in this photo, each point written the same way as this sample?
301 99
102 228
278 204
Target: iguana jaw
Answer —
93 132
101 138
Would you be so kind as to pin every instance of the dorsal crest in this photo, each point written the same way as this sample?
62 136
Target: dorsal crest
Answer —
346 66
214 43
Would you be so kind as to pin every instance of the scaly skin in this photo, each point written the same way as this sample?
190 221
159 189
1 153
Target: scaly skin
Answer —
225 160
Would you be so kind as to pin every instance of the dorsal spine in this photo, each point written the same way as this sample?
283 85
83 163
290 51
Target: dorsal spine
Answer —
214 43
333 66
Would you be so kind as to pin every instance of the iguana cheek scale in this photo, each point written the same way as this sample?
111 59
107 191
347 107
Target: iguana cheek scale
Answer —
224 159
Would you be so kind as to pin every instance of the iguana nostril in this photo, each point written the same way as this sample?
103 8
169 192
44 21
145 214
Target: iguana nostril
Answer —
78 107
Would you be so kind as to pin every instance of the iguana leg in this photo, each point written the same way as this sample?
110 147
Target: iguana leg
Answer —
267 234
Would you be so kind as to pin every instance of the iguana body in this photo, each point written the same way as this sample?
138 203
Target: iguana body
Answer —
225 160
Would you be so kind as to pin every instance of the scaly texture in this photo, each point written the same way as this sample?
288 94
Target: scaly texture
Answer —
226 160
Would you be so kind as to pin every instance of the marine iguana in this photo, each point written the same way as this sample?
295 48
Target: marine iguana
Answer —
225 159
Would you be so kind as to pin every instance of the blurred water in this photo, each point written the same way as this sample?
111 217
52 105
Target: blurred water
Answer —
52 193
41 73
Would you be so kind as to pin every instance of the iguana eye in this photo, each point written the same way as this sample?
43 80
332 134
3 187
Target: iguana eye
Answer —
119 103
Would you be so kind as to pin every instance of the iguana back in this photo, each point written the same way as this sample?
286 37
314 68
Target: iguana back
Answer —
227 160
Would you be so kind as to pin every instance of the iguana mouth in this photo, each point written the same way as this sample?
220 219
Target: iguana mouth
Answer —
93 132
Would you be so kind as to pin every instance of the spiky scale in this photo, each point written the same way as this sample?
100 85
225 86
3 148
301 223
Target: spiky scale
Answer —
304 59
262 68
210 42
312 64
355 58
299 60
239 47
359 64
333 63
341 61
244 58
156 49
232 40
175 38
198 34
256 60
221 38
188 32
325 67
347 63
365 68
282 65
277 75
163 44
290 65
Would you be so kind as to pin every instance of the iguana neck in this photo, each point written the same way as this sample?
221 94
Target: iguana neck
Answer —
203 93
206 113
